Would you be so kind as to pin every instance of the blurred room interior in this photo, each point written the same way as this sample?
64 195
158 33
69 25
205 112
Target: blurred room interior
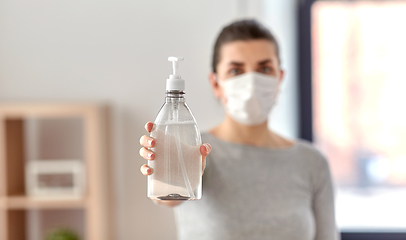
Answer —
79 79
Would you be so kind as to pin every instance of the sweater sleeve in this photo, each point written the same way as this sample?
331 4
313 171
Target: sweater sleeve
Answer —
323 204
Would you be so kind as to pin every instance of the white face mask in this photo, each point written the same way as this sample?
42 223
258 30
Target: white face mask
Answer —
250 97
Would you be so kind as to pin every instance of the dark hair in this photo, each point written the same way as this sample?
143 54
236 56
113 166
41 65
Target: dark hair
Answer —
244 30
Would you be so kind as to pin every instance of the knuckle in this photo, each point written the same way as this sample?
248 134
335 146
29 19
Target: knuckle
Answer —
142 140
143 152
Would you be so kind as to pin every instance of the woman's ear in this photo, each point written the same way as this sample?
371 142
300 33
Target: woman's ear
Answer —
215 85
281 76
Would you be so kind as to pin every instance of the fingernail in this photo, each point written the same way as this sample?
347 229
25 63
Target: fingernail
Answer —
150 142
149 171
207 148
149 155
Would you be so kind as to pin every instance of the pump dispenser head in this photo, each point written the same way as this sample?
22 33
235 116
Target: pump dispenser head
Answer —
175 82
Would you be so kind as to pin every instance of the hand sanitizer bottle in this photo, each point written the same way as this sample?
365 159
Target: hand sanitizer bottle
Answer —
177 168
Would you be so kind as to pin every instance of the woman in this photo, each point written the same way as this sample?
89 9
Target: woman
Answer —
257 184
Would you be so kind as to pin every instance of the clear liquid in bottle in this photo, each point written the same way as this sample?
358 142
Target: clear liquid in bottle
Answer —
178 162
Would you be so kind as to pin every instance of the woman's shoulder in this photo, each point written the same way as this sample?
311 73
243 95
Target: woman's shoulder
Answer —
206 136
310 153
307 146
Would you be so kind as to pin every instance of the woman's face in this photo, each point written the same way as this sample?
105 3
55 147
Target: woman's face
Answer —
239 57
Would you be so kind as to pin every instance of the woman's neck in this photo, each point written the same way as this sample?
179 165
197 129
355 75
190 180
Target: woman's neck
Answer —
258 135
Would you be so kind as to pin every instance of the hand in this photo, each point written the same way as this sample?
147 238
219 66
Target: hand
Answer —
149 142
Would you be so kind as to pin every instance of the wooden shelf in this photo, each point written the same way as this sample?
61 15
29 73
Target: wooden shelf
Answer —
94 140
24 202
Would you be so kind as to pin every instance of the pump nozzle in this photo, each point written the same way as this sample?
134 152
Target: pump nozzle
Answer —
175 82
174 61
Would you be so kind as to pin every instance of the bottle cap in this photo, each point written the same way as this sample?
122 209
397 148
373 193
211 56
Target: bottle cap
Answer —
175 82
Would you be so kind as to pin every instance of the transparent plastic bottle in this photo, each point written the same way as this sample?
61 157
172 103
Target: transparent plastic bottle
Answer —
177 167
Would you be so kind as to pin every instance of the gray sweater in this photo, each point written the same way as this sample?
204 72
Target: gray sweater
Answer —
261 193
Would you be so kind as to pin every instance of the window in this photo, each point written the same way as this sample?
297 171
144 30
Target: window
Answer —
354 86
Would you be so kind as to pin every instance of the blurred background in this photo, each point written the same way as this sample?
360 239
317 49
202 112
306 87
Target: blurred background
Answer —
342 90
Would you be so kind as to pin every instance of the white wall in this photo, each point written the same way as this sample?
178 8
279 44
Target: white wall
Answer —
116 51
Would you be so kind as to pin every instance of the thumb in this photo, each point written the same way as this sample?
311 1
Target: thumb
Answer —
205 149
